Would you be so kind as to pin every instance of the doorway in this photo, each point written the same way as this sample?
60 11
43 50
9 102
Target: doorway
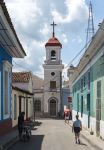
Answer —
98 108
88 109
53 108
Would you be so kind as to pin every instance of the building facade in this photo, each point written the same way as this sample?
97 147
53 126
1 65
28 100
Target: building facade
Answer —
88 85
38 96
22 96
9 47
65 95
52 78
22 101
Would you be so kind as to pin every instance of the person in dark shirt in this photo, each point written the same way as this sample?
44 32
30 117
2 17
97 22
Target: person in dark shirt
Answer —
21 123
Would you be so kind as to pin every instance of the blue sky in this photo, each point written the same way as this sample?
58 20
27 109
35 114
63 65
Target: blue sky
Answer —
32 18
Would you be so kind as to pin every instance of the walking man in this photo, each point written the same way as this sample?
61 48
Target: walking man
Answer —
77 127
21 123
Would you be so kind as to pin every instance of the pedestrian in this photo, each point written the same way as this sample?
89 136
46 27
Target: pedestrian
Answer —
20 123
77 127
66 116
70 115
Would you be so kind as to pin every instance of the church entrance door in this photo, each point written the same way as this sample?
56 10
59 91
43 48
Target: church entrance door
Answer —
53 108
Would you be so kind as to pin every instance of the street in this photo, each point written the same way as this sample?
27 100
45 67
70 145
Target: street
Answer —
50 134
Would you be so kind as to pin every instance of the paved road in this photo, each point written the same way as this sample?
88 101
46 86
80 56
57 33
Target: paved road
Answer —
52 135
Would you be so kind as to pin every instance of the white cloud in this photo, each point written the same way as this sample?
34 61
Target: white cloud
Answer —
24 11
45 30
64 36
76 10
32 18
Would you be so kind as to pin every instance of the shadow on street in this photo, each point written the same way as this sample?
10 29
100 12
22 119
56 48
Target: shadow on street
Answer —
34 143
83 144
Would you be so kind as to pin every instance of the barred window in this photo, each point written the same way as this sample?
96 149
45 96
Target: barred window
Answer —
81 85
37 105
84 82
99 89
52 84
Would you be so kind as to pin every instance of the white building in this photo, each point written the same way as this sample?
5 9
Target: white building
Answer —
38 95
52 77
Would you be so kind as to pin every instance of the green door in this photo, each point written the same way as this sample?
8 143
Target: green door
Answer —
81 106
88 109
98 108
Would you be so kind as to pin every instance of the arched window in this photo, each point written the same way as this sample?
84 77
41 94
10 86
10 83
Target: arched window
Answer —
37 105
53 55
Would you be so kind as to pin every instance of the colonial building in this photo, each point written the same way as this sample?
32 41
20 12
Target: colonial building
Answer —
22 96
38 95
52 77
10 47
88 85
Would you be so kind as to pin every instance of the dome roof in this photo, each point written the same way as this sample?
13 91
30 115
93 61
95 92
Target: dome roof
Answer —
53 42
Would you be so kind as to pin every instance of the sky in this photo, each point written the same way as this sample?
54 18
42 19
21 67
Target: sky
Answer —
32 19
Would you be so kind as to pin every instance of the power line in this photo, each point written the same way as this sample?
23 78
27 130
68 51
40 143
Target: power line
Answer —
78 54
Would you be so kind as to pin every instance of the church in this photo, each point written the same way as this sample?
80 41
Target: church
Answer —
48 93
52 88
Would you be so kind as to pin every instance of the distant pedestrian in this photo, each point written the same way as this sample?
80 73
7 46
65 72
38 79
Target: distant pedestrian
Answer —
70 115
77 127
66 116
21 123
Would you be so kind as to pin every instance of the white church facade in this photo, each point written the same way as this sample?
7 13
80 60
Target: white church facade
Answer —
52 101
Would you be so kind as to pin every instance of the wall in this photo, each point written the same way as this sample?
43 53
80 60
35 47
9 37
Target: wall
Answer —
30 105
96 69
65 94
6 122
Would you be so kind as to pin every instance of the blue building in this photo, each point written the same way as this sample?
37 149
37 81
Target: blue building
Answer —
65 95
9 47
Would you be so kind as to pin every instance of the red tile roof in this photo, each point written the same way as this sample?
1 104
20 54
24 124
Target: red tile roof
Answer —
53 42
21 77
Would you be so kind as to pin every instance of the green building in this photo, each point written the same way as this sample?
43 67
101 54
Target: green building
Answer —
88 85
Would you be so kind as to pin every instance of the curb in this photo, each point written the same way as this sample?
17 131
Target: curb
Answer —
91 143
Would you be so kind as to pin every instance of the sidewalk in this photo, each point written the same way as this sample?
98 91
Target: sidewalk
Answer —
8 140
11 138
94 141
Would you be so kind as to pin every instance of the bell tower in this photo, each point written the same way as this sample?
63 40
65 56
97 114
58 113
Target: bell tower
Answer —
52 76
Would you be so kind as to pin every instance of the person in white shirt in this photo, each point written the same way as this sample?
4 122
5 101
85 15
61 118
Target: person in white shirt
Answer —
77 127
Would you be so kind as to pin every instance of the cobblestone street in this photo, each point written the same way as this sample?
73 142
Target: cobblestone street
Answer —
52 135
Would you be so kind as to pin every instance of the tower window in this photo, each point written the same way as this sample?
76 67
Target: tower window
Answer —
52 73
52 84
53 55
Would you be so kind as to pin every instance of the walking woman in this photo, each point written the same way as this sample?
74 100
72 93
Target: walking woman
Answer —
77 127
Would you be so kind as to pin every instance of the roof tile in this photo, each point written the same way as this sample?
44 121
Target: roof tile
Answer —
21 77
53 42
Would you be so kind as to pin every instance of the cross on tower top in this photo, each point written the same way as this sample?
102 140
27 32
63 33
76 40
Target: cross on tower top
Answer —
53 24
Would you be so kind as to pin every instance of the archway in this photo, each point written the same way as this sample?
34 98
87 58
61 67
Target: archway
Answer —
53 108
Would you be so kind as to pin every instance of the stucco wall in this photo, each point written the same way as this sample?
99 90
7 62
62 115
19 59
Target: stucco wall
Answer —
96 69
23 106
